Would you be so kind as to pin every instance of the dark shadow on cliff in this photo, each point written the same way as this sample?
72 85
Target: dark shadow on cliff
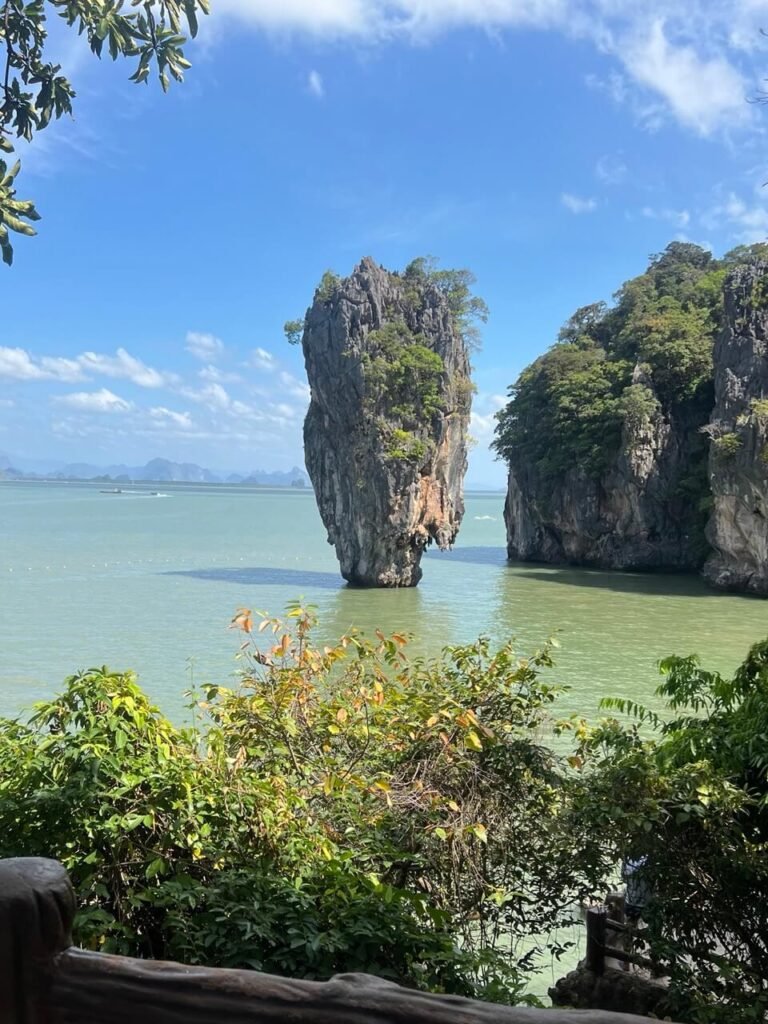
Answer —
477 555
665 584
266 576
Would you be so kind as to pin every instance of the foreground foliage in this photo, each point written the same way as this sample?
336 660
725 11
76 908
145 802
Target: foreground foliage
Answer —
34 91
687 795
342 809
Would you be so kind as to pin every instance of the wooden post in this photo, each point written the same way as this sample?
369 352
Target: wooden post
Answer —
596 921
37 908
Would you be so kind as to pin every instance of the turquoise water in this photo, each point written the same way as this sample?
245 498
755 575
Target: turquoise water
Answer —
151 583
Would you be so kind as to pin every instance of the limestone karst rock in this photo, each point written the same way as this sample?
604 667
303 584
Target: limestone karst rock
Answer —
386 431
667 397
632 516
738 527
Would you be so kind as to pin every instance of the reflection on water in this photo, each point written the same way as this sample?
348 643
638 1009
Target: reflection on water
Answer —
475 555
665 584
265 576
613 628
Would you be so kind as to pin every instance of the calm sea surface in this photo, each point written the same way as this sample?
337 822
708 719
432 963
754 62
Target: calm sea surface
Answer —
151 583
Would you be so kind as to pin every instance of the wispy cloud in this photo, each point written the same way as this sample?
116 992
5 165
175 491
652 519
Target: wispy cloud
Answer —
578 204
262 359
218 376
610 170
179 419
18 364
315 84
203 346
95 401
294 386
745 222
482 421
679 218
124 366
702 92
682 59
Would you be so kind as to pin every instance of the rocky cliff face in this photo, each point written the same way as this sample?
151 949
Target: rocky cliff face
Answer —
679 459
385 434
738 527
636 515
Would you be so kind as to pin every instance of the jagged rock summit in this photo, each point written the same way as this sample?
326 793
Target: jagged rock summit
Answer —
385 434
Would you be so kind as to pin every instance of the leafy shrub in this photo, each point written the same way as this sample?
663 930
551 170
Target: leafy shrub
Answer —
329 284
456 285
343 808
726 446
293 330
688 796
403 375
406 447
638 404
464 389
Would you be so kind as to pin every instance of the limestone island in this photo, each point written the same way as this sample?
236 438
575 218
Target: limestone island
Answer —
640 440
385 437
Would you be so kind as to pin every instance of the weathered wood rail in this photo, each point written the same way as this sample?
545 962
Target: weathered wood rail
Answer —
45 980
599 924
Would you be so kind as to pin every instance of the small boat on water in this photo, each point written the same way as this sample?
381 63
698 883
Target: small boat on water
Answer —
113 490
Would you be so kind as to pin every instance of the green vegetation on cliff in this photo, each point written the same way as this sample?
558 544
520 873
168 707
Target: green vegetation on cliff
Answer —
613 367
406 382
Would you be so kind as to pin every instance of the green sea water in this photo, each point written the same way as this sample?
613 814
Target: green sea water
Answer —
150 582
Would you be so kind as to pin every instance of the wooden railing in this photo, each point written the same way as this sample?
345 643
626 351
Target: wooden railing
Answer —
45 980
600 924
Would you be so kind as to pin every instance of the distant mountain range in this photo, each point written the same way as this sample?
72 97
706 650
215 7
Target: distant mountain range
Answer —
155 471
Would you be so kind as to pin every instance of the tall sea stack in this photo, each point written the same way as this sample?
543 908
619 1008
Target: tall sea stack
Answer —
385 434
738 461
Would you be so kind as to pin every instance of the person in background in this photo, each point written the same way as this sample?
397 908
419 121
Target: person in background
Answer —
637 893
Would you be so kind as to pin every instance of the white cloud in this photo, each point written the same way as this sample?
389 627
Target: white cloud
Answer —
687 55
327 18
577 204
95 401
124 366
680 218
213 396
482 420
611 170
18 364
703 92
262 359
746 223
178 419
293 386
217 376
205 347
315 84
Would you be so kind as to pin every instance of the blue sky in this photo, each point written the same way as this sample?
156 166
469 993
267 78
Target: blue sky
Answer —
548 145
